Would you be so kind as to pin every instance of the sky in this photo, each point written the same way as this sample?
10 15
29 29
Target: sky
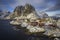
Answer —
51 7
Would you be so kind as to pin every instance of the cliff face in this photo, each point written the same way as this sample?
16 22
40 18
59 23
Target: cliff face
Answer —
18 10
22 10
28 9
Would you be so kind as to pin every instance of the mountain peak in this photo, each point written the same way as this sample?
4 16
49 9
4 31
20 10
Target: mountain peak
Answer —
23 10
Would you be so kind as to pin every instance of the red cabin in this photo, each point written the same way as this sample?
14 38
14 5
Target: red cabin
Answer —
34 23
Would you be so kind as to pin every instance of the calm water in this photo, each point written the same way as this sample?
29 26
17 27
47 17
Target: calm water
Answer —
7 32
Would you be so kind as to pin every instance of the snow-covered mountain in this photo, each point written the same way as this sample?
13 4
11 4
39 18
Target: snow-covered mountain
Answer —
4 14
56 16
42 15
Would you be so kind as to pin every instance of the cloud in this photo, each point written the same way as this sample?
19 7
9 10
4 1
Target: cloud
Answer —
51 13
56 6
4 2
38 4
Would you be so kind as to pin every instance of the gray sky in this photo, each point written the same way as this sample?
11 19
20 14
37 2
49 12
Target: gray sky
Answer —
53 5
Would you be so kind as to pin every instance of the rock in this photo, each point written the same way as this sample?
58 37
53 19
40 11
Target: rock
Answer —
43 15
52 32
24 24
22 11
32 16
56 38
35 29
58 23
28 9
15 23
19 10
